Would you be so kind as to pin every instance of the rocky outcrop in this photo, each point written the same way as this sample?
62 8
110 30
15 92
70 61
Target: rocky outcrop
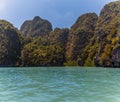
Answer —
103 49
46 51
10 44
59 36
80 34
36 27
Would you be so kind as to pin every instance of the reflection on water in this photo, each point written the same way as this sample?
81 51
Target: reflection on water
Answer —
59 85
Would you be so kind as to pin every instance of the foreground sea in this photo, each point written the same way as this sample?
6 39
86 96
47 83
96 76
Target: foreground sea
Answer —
59 84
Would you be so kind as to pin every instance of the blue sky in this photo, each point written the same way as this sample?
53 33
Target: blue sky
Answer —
61 13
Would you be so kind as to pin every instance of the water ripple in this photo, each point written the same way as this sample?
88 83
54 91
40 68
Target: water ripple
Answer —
59 85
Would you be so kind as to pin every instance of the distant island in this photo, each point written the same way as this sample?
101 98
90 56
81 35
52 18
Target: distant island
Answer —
91 41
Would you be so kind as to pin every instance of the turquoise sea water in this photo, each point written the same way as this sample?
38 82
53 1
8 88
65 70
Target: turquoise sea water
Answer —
67 84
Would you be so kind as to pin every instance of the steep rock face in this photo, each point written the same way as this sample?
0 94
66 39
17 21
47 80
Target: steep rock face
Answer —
10 45
59 36
80 34
36 27
104 47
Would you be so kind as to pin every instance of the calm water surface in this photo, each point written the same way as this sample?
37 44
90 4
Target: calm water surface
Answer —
67 84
